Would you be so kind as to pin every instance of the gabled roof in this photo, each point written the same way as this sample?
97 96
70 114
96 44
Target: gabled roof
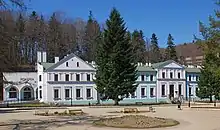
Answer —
162 64
193 70
64 60
145 69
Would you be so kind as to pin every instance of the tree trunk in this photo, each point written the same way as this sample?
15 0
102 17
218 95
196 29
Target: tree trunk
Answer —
1 86
210 98
116 102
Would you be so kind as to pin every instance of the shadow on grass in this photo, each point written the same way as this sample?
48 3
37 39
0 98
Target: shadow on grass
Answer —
39 124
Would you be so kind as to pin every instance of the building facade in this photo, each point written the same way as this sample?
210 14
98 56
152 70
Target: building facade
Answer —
192 78
20 86
70 81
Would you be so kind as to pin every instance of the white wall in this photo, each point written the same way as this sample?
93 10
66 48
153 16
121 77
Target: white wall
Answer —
17 77
61 87
72 65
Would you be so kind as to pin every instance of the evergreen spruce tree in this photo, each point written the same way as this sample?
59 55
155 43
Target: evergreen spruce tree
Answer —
170 50
116 72
210 73
138 44
154 49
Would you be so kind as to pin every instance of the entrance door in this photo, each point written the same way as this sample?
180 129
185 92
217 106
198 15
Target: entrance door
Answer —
171 88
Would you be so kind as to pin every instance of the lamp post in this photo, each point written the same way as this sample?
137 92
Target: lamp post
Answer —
189 89
71 96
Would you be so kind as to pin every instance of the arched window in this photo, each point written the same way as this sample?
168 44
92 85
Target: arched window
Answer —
12 92
27 93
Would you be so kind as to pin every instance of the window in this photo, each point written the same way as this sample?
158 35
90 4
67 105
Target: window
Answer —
78 93
190 89
67 65
40 94
151 77
55 77
77 64
189 77
88 93
56 94
180 89
88 77
163 75
77 77
151 92
143 92
67 93
171 75
178 75
163 90
142 77
197 78
12 92
40 78
67 77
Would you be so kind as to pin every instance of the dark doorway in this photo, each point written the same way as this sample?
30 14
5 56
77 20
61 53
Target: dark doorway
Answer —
171 91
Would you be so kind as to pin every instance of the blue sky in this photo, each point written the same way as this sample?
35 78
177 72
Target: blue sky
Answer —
178 17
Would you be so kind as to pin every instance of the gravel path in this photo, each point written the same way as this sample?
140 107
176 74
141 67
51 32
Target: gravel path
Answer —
190 119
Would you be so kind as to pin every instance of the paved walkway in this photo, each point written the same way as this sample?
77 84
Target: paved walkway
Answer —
190 119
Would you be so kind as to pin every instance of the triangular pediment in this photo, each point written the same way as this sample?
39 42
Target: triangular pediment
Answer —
71 63
168 64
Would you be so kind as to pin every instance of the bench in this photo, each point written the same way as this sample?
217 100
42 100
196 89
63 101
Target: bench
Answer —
130 110
37 112
75 111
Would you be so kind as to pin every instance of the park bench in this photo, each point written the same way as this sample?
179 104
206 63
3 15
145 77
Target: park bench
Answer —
38 112
75 111
130 110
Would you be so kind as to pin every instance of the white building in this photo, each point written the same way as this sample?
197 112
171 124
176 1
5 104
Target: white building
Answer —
171 79
69 80
20 86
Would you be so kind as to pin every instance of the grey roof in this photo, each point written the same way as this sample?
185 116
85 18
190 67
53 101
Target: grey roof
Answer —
46 65
145 68
193 70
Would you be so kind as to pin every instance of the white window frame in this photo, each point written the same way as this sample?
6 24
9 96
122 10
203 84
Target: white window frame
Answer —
59 93
145 92
91 92
81 92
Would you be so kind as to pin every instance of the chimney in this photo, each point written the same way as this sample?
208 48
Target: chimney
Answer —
149 64
44 56
93 62
87 62
141 64
56 59
39 56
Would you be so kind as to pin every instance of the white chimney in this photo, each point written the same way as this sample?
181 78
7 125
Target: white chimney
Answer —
146 64
93 62
39 56
56 59
44 56
141 64
138 64
149 64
